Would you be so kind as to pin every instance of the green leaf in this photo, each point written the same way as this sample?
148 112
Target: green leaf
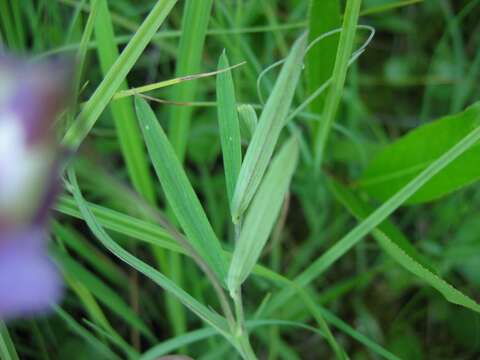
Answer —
271 123
7 348
402 251
229 126
324 16
196 16
80 331
262 214
332 101
325 261
403 160
129 135
122 223
116 75
199 309
102 292
361 210
179 192
248 121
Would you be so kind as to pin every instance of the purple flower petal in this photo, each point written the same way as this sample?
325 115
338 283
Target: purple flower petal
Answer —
37 94
29 282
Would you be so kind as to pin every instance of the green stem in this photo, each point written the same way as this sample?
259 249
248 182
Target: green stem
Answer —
240 332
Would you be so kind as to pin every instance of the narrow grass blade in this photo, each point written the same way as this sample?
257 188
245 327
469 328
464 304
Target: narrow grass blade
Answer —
83 48
229 126
403 254
179 192
194 29
7 25
361 210
123 113
7 348
116 75
103 293
378 216
141 230
271 123
202 334
175 81
248 121
199 309
104 352
122 223
334 95
262 214
88 253
324 16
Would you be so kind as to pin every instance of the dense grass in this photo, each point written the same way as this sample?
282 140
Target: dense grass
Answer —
232 214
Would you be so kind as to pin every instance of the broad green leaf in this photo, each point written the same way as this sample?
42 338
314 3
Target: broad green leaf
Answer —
196 16
116 75
402 251
342 59
325 261
129 135
407 157
272 121
179 192
262 214
199 309
248 121
229 126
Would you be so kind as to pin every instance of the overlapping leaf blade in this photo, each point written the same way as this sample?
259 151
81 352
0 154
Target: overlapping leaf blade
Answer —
179 192
271 123
262 214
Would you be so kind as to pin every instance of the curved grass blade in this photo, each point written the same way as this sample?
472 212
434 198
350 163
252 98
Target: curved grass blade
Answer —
406 256
199 309
103 349
171 345
103 293
117 73
262 214
229 126
271 123
179 192
361 210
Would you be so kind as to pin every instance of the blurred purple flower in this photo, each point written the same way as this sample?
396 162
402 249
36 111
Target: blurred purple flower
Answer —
31 96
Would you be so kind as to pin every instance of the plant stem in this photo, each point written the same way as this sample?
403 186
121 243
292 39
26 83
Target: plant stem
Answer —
240 332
